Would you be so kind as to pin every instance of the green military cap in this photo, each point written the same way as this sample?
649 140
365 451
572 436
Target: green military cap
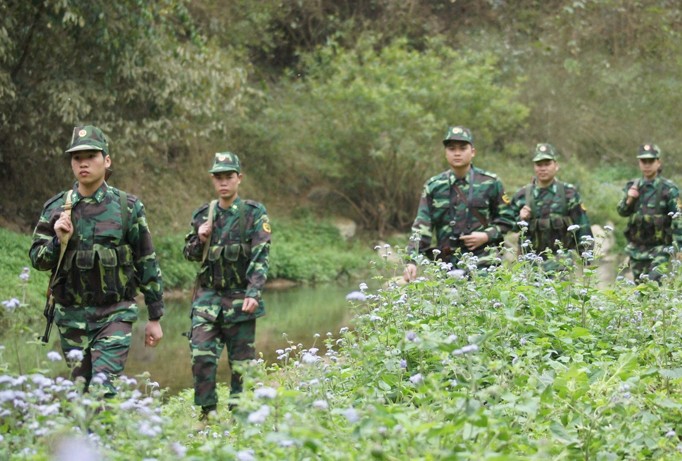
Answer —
88 137
544 151
224 162
648 151
458 133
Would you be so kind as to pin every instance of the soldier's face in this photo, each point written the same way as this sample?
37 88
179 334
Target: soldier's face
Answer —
649 167
545 170
226 184
459 154
90 166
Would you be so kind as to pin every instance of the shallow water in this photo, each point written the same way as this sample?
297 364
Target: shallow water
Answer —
298 312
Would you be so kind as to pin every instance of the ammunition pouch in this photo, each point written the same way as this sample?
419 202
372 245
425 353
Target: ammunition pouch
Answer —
544 232
98 277
649 230
226 266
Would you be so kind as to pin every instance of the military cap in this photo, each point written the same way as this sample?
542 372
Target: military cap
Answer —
458 133
88 137
648 151
544 151
224 162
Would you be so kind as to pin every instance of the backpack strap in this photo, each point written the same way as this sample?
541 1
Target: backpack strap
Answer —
209 220
123 197
246 248
561 192
530 202
63 244
659 196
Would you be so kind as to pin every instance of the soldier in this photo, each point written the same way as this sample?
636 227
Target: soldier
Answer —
231 238
556 218
108 254
464 208
652 205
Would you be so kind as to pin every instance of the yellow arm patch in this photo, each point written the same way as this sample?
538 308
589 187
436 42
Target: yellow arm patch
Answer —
505 199
582 207
266 227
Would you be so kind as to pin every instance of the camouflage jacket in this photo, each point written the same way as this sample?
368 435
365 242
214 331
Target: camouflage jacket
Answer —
653 218
553 210
104 264
446 214
233 264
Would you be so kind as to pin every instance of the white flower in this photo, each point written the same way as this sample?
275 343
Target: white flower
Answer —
470 348
320 405
351 415
179 449
309 358
99 378
54 356
246 455
522 224
363 286
608 228
25 273
265 393
11 304
75 355
573 228
456 274
259 416
416 379
356 296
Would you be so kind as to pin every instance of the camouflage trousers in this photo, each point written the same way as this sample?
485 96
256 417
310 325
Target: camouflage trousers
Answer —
653 262
654 268
104 349
207 340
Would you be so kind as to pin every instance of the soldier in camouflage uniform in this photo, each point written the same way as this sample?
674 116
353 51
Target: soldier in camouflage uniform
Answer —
462 210
555 216
108 257
652 205
234 247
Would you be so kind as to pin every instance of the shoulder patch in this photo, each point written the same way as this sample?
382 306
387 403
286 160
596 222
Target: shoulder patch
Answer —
583 207
440 177
117 192
54 199
485 173
200 210
505 199
267 228
253 203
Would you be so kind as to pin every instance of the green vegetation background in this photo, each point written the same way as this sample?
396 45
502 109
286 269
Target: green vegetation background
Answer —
336 108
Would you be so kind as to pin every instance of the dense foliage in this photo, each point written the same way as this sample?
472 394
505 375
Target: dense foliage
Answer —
504 365
334 105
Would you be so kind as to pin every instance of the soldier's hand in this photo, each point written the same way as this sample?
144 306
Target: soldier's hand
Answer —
474 240
204 231
524 214
250 305
63 227
152 333
633 191
410 272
